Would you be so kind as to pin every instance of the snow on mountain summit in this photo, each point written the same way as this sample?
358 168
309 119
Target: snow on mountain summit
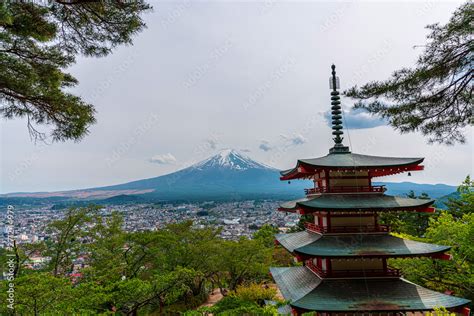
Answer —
230 159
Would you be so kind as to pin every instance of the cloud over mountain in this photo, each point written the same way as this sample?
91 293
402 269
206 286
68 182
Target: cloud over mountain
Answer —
164 159
265 145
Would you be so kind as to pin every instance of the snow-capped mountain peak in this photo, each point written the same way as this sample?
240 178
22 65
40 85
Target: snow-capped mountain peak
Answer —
230 159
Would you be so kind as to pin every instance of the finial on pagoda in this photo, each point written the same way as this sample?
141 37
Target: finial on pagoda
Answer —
336 114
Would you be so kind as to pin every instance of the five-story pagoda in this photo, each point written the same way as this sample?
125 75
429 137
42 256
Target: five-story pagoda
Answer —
344 251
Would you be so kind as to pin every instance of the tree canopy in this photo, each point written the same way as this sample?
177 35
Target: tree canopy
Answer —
435 97
38 42
454 227
94 267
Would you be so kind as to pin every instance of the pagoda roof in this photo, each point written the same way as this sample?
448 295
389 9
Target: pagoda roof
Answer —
348 160
359 202
355 245
306 291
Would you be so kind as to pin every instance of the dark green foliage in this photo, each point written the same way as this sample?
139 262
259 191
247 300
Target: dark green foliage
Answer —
464 204
408 222
416 224
39 42
40 293
453 227
266 234
163 271
455 275
242 261
435 97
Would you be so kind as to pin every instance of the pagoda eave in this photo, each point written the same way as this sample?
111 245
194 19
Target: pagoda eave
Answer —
308 292
434 255
307 245
305 170
356 203
308 210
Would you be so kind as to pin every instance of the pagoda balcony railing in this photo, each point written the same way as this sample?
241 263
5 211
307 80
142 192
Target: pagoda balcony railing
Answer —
346 189
353 273
347 229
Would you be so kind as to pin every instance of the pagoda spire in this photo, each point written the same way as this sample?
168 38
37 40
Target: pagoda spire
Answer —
336 115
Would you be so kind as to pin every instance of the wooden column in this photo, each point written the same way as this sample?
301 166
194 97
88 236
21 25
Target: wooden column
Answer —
327 180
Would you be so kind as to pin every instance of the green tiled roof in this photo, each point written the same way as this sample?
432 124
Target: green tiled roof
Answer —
294 241
358 295
350 160
355 245
295 282
341 202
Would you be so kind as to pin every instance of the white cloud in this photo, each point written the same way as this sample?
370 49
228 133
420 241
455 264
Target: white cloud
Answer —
357 119
212 143
296 140
265 146
164 159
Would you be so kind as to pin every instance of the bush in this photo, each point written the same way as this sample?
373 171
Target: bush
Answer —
255 293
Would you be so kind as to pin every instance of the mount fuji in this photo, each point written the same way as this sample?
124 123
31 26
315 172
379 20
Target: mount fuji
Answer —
228 175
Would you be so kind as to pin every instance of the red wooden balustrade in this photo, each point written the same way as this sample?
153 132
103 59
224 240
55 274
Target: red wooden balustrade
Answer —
346 229
346 189
353 273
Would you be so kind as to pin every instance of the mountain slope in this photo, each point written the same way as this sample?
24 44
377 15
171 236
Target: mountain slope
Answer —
229 175
402 188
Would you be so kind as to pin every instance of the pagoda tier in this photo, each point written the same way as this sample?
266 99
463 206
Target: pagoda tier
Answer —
346 163
356 202
308 292
310 245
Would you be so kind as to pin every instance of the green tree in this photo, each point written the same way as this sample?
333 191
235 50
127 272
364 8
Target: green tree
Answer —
412 223
192 248
107 250
464 204
132 296
165 271
40 294
21 254
435 97
38 42
66 238
455 275
266 234
242 261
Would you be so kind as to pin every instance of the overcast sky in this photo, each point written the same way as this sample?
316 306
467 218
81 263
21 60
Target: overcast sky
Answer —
249 76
